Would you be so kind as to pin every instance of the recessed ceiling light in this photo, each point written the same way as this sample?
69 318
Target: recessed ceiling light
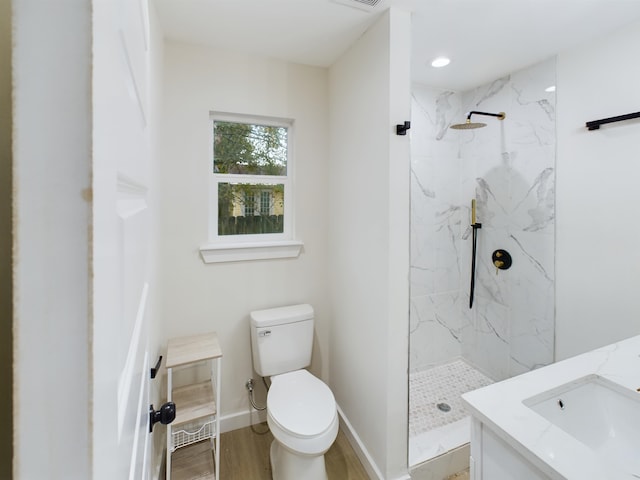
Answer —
551 88
440 62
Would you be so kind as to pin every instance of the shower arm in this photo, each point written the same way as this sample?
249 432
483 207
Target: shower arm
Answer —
500 115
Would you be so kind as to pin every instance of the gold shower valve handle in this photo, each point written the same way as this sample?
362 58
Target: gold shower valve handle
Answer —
501 260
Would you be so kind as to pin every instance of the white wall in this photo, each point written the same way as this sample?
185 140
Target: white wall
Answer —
6 365
597 236
198 297
369 239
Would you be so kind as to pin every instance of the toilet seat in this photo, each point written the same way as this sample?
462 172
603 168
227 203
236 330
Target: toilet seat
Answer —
301 412
301 404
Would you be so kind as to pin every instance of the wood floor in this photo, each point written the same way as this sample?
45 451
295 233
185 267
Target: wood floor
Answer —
244 455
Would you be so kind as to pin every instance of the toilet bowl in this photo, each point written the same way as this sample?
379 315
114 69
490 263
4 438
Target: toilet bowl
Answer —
301 409
303 418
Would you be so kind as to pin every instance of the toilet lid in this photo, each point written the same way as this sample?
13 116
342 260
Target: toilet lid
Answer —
301 403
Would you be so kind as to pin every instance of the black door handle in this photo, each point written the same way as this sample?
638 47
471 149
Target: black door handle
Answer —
165 415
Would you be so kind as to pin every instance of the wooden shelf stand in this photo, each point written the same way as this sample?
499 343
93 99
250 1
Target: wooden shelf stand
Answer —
195 432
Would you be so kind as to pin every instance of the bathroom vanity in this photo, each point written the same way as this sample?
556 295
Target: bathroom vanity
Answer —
575 419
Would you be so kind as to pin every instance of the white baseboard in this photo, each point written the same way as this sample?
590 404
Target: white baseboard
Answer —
245 418
361 451
359 448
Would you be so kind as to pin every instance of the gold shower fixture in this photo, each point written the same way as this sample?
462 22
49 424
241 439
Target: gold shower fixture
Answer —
468 125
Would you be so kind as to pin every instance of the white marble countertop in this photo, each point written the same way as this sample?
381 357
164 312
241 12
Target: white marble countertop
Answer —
560 456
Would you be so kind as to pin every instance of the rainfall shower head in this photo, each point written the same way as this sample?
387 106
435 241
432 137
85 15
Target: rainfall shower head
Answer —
468 125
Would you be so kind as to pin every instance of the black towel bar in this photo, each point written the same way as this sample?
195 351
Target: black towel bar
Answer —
595 125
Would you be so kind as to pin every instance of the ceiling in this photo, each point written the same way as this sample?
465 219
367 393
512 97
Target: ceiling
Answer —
485 39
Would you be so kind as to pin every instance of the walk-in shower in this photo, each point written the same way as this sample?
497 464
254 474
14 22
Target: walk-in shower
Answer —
507 168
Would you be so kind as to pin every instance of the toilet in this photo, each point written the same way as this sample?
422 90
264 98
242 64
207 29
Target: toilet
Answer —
301 409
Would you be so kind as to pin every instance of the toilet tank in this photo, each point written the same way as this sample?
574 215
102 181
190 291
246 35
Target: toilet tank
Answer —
281 339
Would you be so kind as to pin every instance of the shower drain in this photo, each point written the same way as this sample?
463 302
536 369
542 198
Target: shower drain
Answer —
444 407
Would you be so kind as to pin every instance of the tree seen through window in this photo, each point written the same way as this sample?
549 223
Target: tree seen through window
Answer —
243 149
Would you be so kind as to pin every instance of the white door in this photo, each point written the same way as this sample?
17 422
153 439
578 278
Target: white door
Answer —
121 221
81 229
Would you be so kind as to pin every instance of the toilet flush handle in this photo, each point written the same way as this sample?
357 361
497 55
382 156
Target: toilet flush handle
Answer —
264 333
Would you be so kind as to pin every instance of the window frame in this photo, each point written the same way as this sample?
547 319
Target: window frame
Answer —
251 246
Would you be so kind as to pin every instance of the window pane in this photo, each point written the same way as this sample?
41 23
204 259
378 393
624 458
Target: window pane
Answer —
265 202
242 148
247 209
249 203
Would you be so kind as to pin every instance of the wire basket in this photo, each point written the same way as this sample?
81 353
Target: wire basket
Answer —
193 432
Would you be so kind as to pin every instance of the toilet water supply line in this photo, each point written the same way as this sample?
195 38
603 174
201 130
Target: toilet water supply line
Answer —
475 226
249 386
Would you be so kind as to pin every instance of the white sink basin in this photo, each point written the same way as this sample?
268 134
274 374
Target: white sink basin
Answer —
599 413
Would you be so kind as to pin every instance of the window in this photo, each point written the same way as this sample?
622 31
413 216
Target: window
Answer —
249 208
250 167
266 198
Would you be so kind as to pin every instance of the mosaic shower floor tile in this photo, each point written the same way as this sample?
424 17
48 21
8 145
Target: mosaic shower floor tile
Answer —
442 385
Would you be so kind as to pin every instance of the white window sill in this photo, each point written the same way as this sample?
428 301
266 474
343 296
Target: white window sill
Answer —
239 252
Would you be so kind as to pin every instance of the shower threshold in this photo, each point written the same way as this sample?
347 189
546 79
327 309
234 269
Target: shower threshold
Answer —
438 421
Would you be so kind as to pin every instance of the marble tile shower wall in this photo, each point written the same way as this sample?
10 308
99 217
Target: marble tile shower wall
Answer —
436 325
509 167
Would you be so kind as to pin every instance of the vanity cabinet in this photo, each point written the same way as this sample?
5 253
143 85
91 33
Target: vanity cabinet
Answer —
492 458
193 439
574 419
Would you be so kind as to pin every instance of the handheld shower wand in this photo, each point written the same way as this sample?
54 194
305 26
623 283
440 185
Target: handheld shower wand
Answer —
475 226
